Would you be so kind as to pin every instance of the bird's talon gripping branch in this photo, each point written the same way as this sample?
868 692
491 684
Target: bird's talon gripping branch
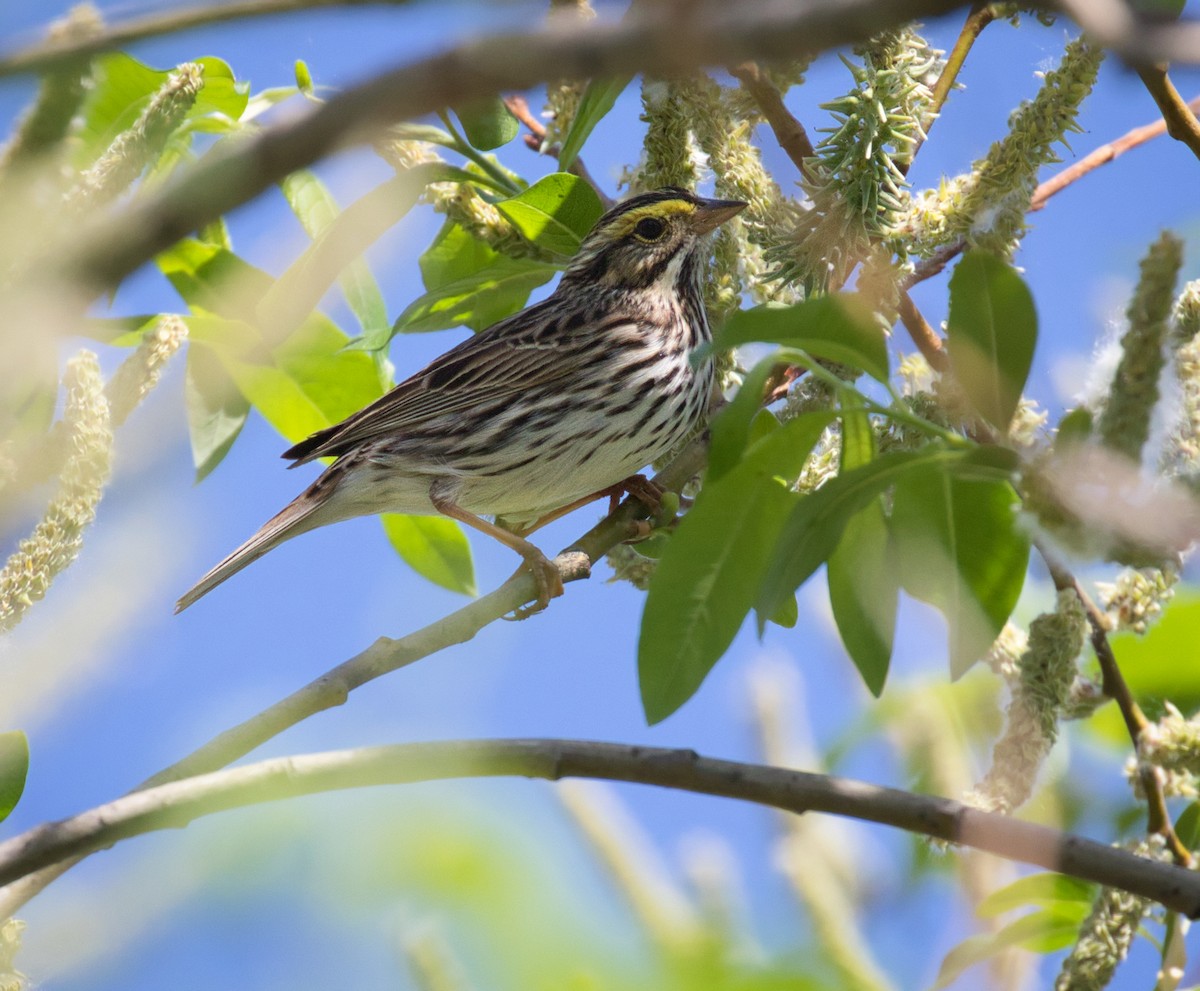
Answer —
546 576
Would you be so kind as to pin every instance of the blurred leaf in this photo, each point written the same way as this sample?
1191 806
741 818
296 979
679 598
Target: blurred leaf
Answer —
959 548
478 300
216 410
318 212
434 547
1074 428
787 615
302 385
304 82
211 278
1152 664
705 582
1036 889
1040 932
555 213
991 334
123 87
488 123
597 100
864 590
409 131
14 766
837 328
1187 826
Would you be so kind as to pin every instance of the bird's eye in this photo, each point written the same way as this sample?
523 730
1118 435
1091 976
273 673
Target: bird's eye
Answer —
650 229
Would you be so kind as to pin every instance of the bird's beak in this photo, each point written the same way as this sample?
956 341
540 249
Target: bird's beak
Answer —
711 214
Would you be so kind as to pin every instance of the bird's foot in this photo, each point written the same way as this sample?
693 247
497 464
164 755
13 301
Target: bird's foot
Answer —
547 578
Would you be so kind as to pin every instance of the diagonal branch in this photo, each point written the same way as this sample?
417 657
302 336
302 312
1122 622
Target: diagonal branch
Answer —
789 132
1179 117
333 688
53 53
178 803
936 263
1115 687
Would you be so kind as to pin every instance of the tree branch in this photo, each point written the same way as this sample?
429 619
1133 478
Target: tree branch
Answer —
176 804
1178 116
936 263
1115 687
385 655
789 132
235 172
52 54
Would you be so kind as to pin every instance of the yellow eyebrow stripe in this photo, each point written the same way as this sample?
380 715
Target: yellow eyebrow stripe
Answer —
626 222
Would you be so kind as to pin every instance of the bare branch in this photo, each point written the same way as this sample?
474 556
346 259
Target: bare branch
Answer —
1178 116
789 132
178 803
333 688
54 53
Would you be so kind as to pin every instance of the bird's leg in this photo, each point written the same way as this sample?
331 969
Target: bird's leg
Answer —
637 486
545 574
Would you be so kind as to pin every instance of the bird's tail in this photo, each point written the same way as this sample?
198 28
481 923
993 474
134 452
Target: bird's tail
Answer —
297 517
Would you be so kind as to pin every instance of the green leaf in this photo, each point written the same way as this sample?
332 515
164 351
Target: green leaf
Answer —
555 213
991 334
123 87
434 547
477 301
597 100
304 81
409 131
488 123
837 328
959 548
732 426
1187 826
1074 428
705 581
814 527
216 410
1151 664
1036 889
317 210
787 615
306 383
1040 932
864 591
14 767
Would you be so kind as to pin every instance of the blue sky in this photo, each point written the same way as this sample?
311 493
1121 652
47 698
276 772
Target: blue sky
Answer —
111 686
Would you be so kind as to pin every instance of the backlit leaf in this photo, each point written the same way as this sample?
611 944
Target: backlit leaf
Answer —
435 547
991 334
597 100
488 123
496 291
837 328
555 213
14 766
959 548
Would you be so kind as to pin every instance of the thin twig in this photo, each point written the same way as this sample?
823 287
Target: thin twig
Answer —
518 106
53 53
1116 688
178 803
386 655
937 262
789 132
981 15
923 335
1179 117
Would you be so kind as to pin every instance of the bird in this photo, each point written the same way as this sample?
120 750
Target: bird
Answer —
544 410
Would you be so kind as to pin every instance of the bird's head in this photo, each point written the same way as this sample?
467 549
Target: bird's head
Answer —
649 239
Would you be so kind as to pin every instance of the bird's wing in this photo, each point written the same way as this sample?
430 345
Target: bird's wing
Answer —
527 351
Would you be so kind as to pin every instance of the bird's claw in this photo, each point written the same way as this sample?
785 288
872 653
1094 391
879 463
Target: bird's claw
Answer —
549 586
